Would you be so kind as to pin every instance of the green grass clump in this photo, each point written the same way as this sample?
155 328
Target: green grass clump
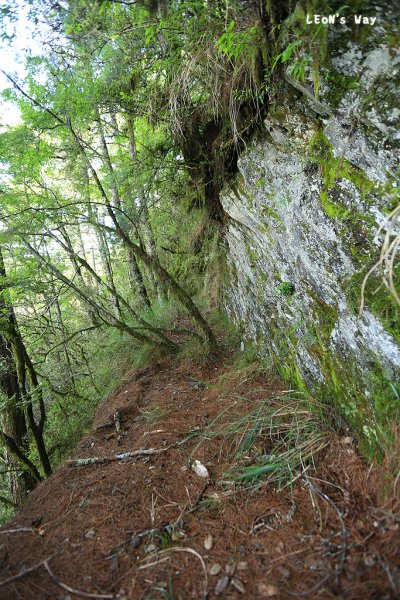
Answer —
274 441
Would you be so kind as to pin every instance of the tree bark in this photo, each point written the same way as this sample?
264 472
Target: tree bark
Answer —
28 383
14 427
136 280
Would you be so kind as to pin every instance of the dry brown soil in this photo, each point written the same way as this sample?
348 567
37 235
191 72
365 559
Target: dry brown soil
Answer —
89 523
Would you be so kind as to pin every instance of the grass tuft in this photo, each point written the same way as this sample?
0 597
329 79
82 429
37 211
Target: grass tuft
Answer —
276 441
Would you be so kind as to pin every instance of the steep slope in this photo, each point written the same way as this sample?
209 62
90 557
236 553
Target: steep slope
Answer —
148 527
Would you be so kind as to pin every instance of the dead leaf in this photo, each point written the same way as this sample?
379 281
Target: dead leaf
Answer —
267 590
280 547
221 586
215 569
230 568
347 440
242 565
238 585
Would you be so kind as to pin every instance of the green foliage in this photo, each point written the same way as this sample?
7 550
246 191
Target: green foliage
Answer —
303 46
235 44
287 53
108 356
272 441
286 288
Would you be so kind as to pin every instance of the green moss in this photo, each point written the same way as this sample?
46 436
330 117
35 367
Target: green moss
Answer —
333 209
333 169
285 343
271 213
368 412
377 298
338 85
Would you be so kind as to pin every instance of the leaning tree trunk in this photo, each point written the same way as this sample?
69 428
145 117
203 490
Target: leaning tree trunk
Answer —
13 425
28 383
135 276
144 215
136 280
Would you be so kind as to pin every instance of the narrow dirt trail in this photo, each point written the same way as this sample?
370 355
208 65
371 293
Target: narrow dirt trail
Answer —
149 527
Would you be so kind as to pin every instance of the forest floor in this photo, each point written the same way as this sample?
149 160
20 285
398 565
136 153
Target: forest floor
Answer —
149 527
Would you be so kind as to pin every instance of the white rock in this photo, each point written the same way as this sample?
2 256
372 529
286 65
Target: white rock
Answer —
200 469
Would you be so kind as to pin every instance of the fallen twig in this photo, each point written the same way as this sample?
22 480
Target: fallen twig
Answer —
99 460
73 590
168 527
22 573
199 498
153 564
26 529
117 421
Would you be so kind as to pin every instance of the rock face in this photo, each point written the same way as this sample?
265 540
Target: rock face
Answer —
302 217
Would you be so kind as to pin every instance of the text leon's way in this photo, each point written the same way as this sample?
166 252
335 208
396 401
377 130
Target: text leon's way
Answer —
333 19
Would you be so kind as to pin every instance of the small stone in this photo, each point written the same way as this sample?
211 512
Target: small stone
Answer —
238 585
90 534
208 542
242 565
267 590
215 569
221 586
150 548
200 469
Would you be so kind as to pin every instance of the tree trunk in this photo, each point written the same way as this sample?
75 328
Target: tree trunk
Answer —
14 426
28 383
136 278
144 213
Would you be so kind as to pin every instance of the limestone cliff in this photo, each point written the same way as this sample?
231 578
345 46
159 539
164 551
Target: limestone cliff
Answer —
302 217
